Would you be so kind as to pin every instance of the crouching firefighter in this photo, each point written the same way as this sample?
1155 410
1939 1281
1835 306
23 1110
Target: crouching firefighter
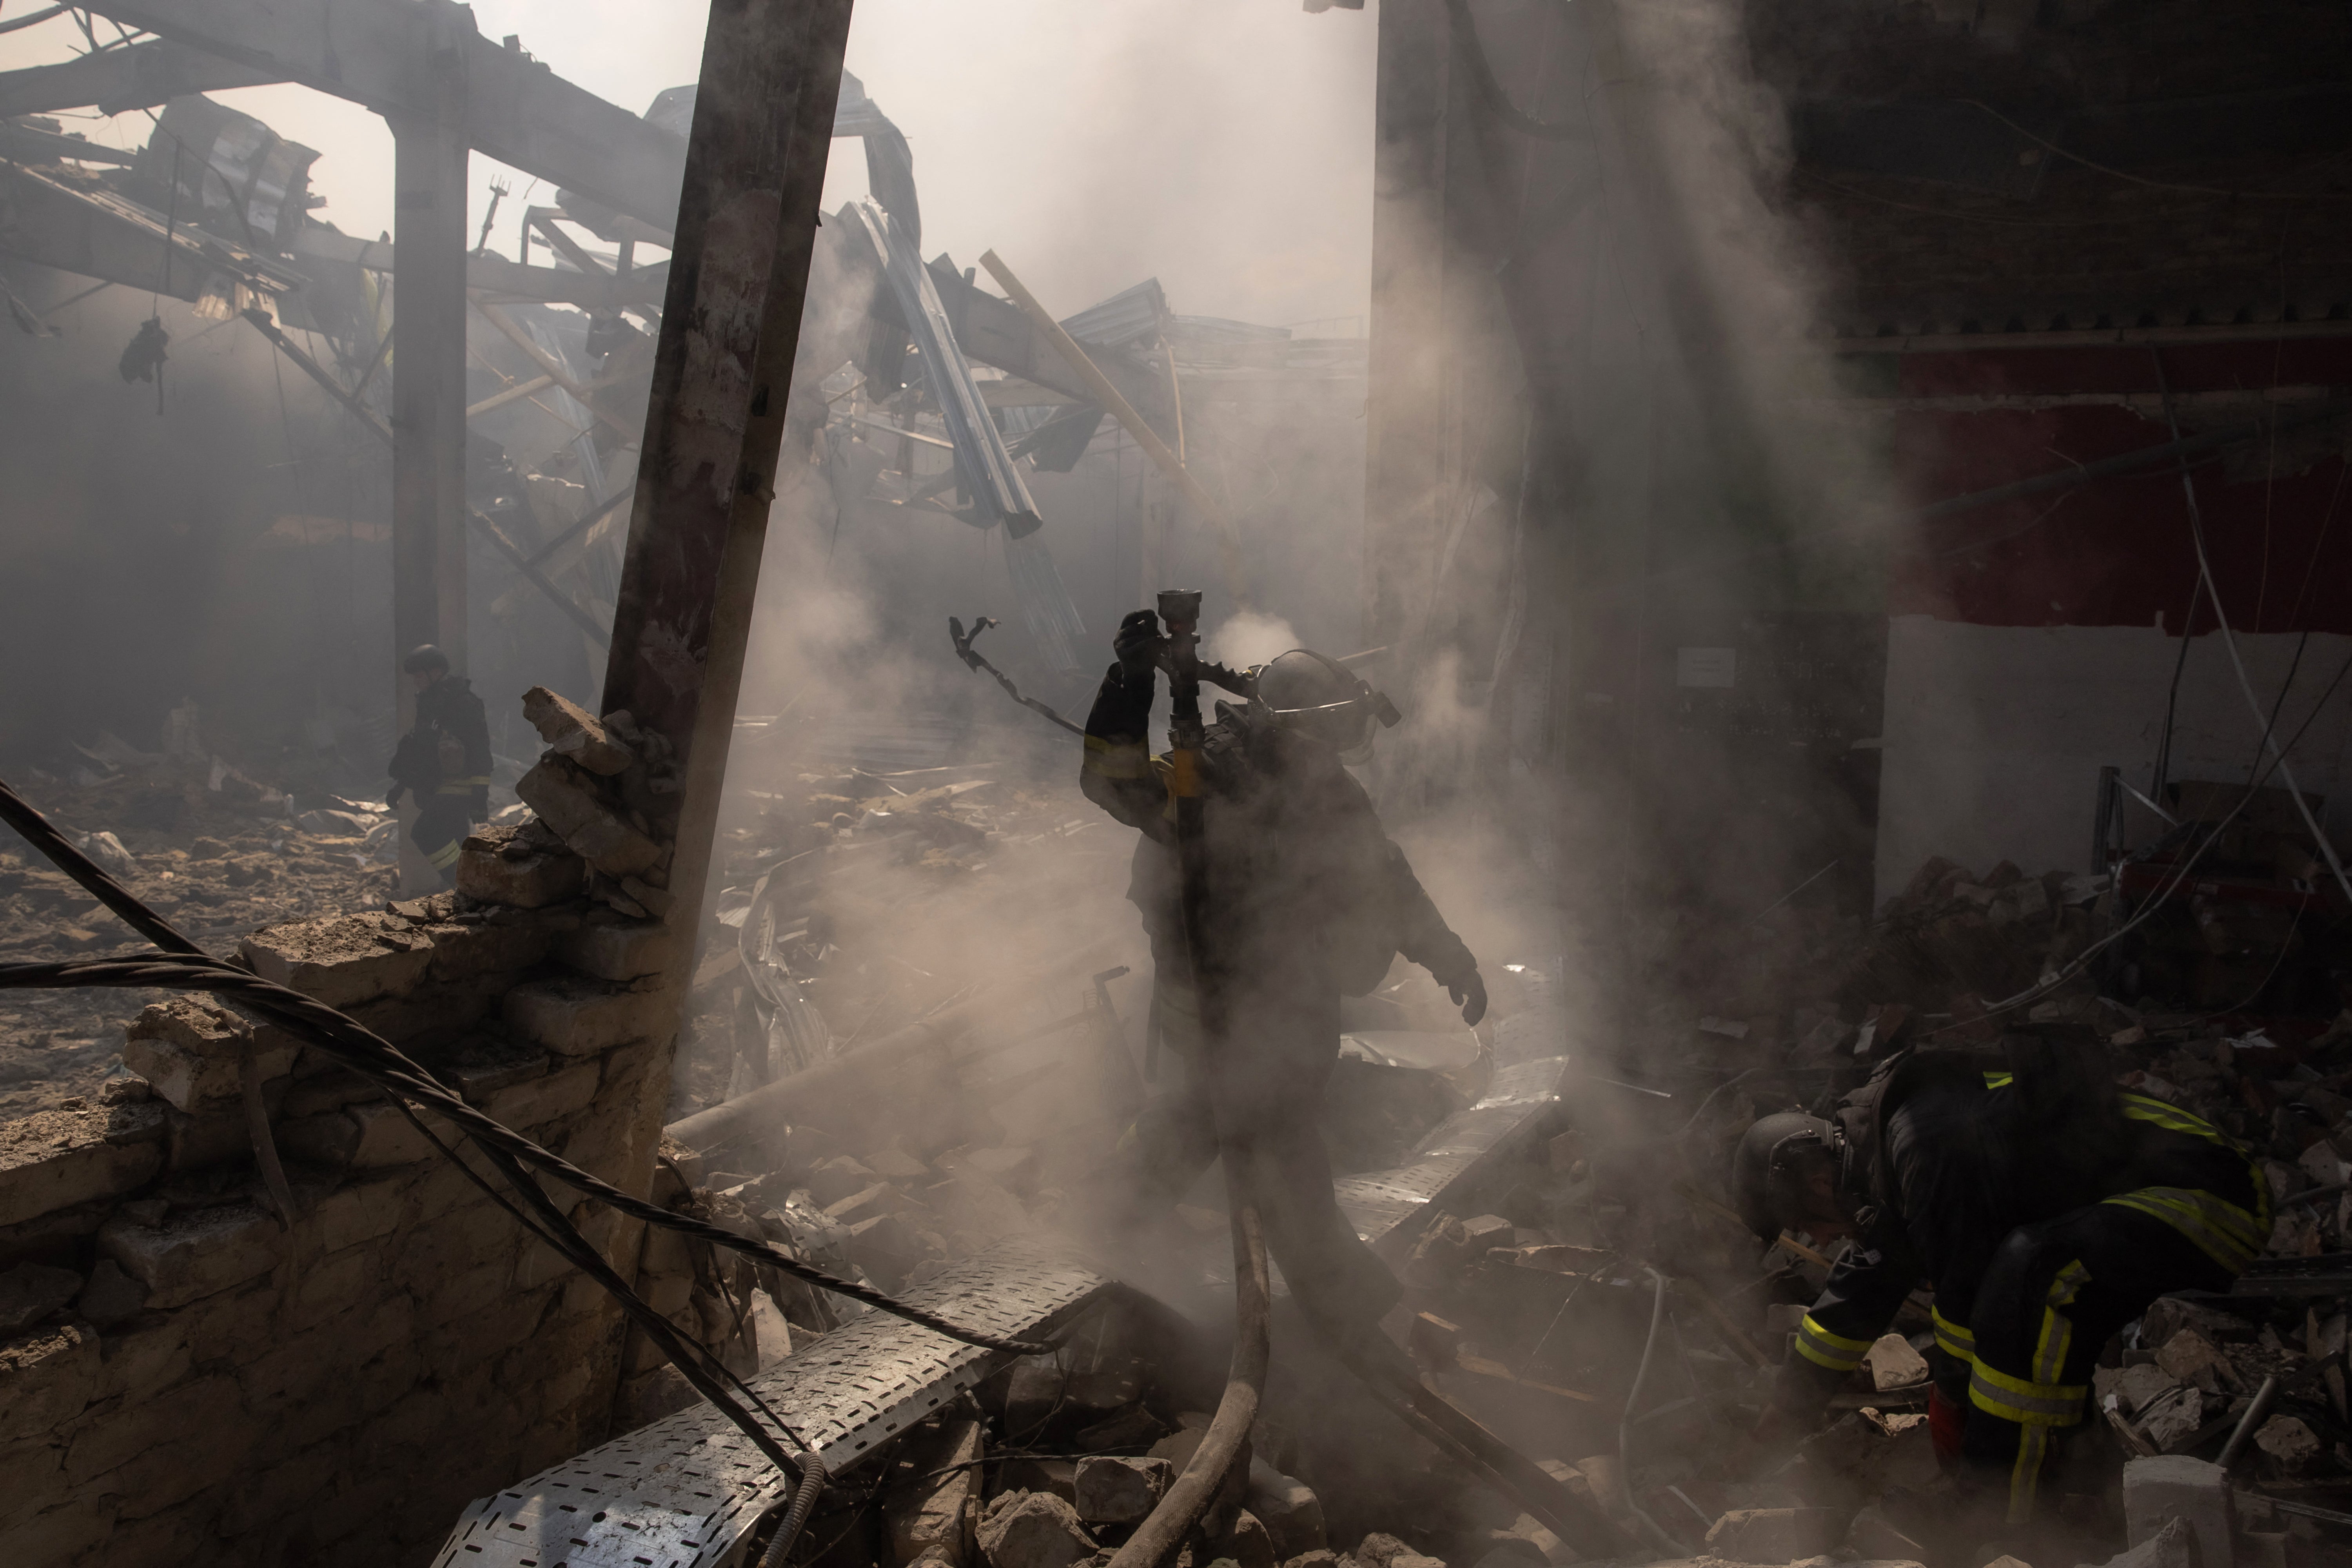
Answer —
1304 899
2045 1208
444 761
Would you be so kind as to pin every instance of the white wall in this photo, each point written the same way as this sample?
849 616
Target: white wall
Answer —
1995 735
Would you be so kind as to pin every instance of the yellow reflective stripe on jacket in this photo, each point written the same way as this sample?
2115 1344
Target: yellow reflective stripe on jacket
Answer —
445 856
464 786
2026 1403
1998 1079
1823 1348
2166 1115
1953 1339
1117 760
2222 1231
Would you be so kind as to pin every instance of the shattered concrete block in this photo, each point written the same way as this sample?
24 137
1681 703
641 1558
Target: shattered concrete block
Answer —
576 1016
2174 1418
194 1255
193 1048
1892 1364
1033 1530
2167 1315
2174 1486
1247 1544
2174 1545
930 1517
343 959
490 870
47 1376
111 1296
2134 1388
1484 1231
1291 1512
569 802
2291 1444
1121 1491
1774 1534
2190 1357
31 1291
620 951
570 731
1378 1551
2324 1164
77 1153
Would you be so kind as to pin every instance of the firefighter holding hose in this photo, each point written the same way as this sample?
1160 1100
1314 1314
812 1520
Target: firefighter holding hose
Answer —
1302 899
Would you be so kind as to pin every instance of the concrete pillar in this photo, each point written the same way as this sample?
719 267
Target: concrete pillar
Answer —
429 373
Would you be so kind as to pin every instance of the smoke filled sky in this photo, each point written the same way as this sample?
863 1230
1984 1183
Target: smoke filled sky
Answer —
1223 146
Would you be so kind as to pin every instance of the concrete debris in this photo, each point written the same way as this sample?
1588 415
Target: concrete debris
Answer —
2175 1487
1033 1530
1892 1364
1774 1534
572 731
30 1292
2289 1444
2173 1545
1121 1491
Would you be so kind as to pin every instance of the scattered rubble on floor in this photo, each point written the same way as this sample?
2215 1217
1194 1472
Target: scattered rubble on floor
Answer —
199 842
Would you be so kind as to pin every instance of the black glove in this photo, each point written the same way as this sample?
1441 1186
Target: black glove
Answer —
1138 644
392 795
1468 992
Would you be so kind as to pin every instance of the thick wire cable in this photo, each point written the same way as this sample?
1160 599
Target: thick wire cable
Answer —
2157 900
1658 1537
2230 640
408 1086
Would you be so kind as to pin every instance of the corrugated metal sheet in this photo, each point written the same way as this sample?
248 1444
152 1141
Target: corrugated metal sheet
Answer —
1127 317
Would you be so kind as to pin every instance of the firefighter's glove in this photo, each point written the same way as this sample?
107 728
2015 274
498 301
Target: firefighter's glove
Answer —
1468 992
392 795
1138 645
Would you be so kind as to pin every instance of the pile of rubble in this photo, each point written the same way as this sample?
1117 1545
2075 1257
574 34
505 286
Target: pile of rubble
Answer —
198 841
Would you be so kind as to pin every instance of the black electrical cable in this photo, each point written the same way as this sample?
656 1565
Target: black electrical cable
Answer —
183 966
190 969
2179 877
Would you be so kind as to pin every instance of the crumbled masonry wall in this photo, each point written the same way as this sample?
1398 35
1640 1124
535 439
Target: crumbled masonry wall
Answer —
211 1387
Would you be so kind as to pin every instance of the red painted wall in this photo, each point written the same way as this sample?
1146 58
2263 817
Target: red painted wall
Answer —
2118 551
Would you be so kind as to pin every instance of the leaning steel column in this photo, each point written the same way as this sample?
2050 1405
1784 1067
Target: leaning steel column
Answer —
428 370
730 323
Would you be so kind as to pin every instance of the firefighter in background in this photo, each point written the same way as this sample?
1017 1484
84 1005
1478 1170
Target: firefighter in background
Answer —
2044 1207
1308 900
444 762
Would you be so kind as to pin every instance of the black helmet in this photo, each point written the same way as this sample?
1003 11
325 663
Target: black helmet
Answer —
425 657
1771 1170
1310 695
